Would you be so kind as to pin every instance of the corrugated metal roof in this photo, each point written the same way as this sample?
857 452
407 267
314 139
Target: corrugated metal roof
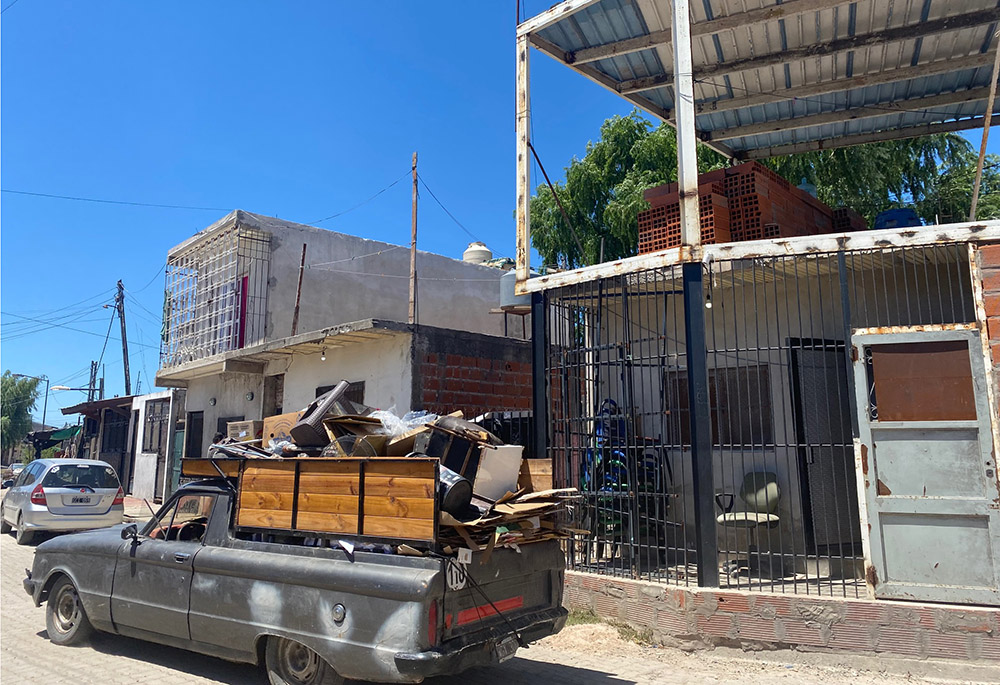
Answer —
774 77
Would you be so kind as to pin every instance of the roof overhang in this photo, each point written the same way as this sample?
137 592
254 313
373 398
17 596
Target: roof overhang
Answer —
254 359
93 409
777 78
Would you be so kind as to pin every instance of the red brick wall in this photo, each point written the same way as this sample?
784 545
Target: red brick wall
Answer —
450 382
453 370
694 618
989 261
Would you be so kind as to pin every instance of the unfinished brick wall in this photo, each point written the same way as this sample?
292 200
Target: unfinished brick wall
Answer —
473 373
694 618
989 262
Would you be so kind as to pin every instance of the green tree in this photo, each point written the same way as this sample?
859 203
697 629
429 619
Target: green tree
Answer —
602 192
17 399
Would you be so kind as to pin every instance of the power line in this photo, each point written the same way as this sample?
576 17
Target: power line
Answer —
114 202
106 336
9 6
351 259
160 271
422 278
450 215
360 204
77 330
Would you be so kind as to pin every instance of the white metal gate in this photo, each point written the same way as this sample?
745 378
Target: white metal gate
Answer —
926 466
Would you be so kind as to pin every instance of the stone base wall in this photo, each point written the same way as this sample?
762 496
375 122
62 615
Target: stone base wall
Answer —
699 619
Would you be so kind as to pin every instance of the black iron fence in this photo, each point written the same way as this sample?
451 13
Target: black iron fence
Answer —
781 410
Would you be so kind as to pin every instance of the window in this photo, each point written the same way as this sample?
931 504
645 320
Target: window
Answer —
185 520
355 391
740 404
96 475
194 434
154 435
28 475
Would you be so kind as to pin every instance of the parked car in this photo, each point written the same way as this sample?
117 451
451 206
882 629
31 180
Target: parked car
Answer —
313 614
12 471
62 495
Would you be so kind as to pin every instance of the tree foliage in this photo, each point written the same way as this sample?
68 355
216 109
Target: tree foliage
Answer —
602 192
17 399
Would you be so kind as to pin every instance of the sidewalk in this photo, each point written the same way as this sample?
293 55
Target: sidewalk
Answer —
137 510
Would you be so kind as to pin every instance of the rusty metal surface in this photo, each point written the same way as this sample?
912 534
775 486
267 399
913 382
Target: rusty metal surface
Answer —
927 381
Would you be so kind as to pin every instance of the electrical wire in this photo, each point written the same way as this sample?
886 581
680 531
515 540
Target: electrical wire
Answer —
106 336
360 256
77 330
421 278
160 271
360 204
113 202
452 216
9 6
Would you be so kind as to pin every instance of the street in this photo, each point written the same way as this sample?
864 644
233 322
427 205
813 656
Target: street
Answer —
581 654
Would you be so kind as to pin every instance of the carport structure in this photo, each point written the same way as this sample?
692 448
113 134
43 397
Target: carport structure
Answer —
753 79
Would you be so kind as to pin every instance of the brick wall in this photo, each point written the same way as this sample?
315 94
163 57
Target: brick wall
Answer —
453 370
696 619
989 261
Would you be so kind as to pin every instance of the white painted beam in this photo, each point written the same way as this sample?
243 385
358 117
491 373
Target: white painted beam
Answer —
522 128
969 232
809 90
552 15
687 153
863 138
852 113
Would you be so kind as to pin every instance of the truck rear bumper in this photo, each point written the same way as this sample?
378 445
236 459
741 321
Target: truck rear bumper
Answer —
479 648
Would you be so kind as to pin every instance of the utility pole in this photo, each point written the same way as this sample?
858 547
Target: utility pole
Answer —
92 384
413 249
120 304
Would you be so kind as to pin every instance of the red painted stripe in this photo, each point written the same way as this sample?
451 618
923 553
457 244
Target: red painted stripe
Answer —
477 613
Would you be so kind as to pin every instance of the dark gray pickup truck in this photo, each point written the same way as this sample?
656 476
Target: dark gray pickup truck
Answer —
310 614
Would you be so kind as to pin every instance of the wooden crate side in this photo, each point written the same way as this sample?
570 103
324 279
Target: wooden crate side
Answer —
410 529
403 468
281 501
382 486
259 518
268 482
203 468
329 485
400 507
327 523
327 504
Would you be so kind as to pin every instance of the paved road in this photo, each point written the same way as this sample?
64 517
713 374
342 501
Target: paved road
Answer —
584 658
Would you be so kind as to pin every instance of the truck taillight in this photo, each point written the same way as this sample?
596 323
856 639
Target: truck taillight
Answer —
119 498
37 495
432 624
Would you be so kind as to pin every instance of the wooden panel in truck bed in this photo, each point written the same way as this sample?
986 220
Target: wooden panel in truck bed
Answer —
380 497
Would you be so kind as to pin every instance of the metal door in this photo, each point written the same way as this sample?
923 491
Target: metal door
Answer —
152 586
926 466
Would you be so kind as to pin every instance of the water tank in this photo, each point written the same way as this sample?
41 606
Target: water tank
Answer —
509 302
476 253
808 187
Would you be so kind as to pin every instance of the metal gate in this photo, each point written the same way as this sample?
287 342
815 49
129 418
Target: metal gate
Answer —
926 462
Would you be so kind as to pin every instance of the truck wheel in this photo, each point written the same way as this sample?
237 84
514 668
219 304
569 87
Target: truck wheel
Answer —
4 527
65 619
291 663
23 536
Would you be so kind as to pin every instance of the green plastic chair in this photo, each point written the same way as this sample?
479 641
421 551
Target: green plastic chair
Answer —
760 494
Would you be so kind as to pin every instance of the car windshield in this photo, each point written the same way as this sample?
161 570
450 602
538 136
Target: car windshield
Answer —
75 475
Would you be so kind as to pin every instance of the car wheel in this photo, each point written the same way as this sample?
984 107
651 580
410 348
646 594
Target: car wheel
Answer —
291 663
65 619
23 536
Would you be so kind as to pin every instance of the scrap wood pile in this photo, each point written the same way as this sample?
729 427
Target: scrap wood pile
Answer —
486 495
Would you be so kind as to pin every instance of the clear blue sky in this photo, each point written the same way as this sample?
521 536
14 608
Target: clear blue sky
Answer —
297 110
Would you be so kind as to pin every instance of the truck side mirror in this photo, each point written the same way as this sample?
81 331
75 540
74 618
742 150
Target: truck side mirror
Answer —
130 532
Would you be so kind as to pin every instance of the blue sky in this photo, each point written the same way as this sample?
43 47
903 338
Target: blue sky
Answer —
297 110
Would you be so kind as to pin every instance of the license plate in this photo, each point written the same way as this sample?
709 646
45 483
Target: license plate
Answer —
506 648
80 500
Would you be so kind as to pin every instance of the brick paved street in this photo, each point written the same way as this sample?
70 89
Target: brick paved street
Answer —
582 655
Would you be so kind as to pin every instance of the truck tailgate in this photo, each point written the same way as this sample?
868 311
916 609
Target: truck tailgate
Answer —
510 582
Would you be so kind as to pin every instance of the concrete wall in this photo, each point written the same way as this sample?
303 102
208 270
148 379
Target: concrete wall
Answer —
338 289
229 390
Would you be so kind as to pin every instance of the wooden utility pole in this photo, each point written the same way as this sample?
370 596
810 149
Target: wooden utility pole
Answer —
413 249
120 303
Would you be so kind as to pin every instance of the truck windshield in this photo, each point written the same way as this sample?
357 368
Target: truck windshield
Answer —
96 476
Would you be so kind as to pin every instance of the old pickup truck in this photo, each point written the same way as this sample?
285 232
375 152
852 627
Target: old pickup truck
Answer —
309 610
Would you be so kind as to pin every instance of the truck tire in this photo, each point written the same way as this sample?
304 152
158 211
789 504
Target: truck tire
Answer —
4 527
22 536
291 663
65 619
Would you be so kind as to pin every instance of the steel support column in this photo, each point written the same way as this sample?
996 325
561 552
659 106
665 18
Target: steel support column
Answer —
701 425
539 385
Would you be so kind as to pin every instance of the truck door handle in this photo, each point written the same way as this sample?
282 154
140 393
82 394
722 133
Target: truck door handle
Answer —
181 557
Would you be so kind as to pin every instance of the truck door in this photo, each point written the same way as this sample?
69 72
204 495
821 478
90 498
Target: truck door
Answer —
152 586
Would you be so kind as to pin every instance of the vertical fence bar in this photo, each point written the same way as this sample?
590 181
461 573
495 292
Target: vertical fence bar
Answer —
701 427
539 387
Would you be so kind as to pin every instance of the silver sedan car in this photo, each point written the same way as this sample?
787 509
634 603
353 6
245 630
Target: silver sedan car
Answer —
62 495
